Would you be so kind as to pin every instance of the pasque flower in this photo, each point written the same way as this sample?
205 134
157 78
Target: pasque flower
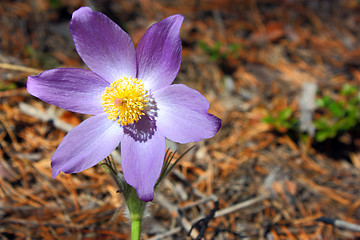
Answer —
129 92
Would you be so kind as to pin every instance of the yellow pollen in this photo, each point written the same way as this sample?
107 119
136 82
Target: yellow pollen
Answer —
125 100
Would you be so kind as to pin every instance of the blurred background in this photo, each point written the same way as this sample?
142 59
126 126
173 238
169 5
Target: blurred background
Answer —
282 75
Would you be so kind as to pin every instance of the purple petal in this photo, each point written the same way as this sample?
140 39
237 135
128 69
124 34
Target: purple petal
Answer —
158 53
86 145
183 116
104 47
142 162
76 90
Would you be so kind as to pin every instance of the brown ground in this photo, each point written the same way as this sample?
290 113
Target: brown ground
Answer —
269 185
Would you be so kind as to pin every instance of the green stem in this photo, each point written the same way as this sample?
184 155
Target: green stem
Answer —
135 205
135 229
136 208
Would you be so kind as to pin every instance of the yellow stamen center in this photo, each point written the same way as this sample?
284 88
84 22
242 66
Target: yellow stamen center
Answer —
125 100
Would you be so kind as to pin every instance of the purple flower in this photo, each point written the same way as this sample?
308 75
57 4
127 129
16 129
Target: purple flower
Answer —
130 93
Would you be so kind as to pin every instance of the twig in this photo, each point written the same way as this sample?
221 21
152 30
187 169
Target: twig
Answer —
307 107
45 116
201 201
195 191
19 68
340 224
203 223
173 209
166 234
241 205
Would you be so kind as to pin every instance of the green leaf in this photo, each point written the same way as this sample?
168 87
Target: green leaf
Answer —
7 86
55 3
285 114
324 101
204 46
268 119
348 90
344 124
321 136
336 108
321 123
234 47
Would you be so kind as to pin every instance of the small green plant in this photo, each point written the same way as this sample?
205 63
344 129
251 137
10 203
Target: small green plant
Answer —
335 117
283 121
54 3
332 118
7 86
217 52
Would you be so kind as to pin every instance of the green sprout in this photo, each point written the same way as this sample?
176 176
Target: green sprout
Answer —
283 121
217 52
333 117
337 116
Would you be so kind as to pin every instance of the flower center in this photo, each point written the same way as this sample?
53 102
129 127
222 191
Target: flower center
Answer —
125 100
